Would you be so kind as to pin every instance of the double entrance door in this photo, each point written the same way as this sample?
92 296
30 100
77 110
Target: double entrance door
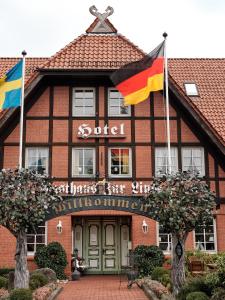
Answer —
105 245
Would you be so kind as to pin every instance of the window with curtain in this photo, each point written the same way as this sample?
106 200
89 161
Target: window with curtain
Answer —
116 104
83 162
36 239
120 162
193 160
161 160
83 102
205 237
164 239
37 159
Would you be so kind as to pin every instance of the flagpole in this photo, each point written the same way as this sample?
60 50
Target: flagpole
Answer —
22 112
167 106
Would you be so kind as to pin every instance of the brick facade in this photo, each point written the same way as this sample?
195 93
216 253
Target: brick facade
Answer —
49 124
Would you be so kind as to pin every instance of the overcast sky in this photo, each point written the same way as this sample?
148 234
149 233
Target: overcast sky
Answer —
195 27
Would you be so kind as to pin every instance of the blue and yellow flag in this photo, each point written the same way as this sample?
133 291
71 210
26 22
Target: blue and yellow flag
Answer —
11 87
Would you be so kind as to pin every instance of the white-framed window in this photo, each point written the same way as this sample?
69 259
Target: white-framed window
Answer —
116 105
164 239
205 237
193 159
161 160
83 162
37 159
120 163
83 101
36 239
191 89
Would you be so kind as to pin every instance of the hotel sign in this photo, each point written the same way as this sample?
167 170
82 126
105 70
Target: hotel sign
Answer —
85 131
107 188
132 204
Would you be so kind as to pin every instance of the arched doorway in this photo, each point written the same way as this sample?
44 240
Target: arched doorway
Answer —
101 228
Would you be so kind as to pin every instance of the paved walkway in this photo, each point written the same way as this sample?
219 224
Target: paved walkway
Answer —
101 287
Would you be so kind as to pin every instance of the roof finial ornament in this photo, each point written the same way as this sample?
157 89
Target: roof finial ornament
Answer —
108 12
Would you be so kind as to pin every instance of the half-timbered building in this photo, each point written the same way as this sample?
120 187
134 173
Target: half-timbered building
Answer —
77 130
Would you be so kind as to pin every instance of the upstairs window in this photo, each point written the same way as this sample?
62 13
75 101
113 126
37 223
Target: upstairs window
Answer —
161 160
116 104
83 102
37 159
191 89
83 162
193 160
120 162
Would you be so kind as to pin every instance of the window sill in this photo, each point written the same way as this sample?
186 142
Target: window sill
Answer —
84 176
119 116
121 176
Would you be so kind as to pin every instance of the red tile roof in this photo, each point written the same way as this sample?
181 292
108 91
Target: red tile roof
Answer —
209 76
32 63
109 51
95 51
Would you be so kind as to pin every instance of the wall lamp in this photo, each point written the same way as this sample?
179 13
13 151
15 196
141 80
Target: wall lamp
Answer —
144 227
59 227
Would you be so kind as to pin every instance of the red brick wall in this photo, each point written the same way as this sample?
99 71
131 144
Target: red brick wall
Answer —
143 156
142 131
61 101
7 248
40 107
138 237
37 132
60 131
186 134
59 161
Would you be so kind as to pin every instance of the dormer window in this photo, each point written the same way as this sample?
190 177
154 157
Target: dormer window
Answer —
191 89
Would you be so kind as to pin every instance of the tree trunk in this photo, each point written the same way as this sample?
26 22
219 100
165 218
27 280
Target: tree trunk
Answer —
178 264
21 279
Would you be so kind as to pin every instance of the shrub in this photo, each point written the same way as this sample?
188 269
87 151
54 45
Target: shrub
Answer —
52 256
146 258
158 272
5 271
218 294
197 296
49 273
212 280
221 269
162 275
37 280
166 281
3 282
196 284
21 294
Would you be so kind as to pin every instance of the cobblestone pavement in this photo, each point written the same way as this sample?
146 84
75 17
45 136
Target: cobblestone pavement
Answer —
101 287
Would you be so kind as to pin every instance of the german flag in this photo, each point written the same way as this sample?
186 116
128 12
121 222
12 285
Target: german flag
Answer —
136 80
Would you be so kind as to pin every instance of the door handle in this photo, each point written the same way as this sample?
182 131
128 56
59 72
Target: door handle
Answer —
103 251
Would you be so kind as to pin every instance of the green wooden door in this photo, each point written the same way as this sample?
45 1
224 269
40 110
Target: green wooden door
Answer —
93 248
110 257
101 246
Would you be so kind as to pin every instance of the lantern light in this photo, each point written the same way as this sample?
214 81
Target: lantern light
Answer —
144 227
59 227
